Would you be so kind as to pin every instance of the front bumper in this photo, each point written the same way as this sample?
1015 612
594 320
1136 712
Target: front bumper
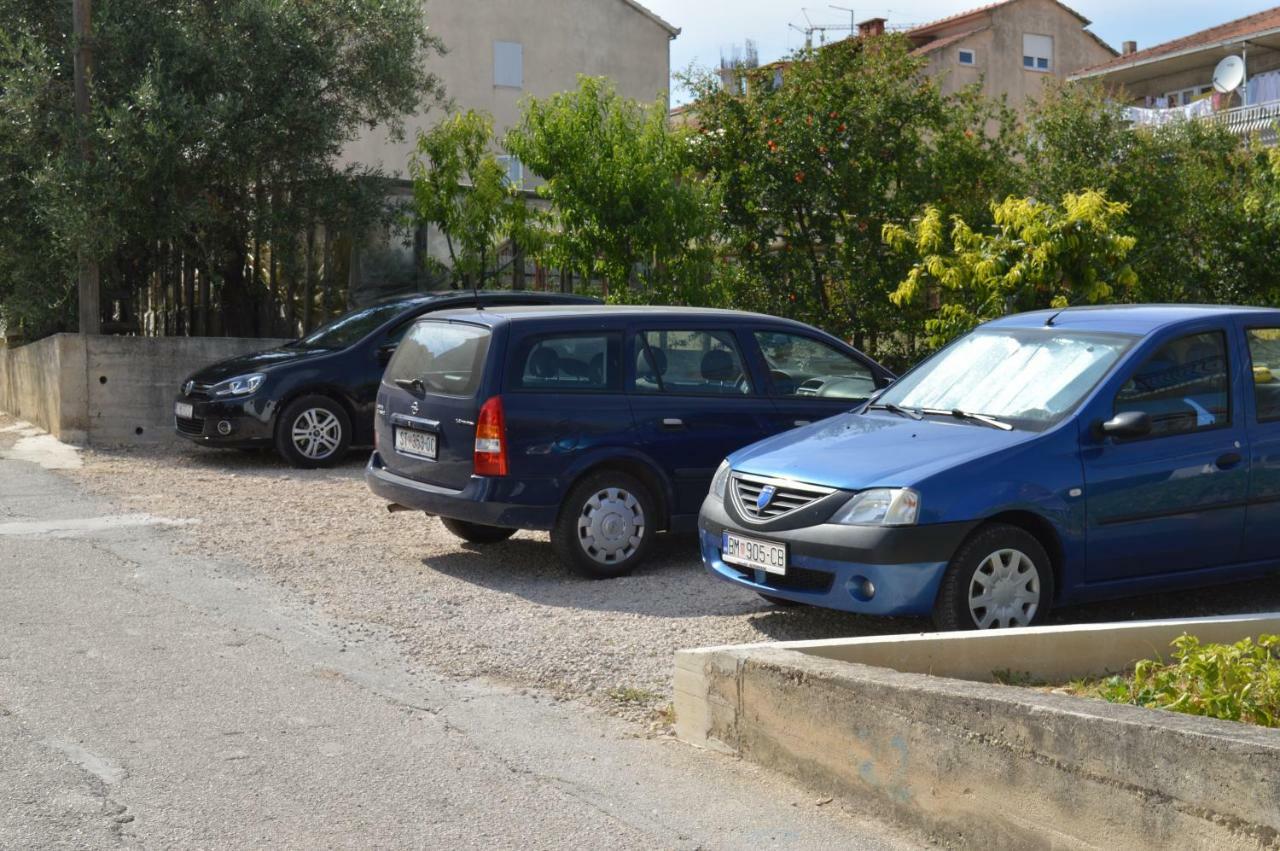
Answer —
251 421
482 500
829 565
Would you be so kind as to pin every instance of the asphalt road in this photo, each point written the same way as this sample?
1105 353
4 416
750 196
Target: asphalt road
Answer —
152 699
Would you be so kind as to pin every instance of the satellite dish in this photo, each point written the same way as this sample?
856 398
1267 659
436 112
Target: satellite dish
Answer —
1229 74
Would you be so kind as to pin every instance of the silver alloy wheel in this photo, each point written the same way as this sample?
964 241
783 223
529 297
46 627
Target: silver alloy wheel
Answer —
317 433
1005 590
611 525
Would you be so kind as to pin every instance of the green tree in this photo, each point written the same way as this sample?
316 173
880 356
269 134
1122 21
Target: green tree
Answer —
459 186
809 171
1037 255
623 198
217 129
1183 183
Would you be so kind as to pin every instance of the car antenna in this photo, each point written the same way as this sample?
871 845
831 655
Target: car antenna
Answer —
1048 323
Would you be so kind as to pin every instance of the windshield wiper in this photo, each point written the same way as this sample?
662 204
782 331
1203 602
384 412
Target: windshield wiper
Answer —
413 385
896 409
969 415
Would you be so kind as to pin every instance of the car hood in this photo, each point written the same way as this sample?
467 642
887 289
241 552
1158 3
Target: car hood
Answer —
263 361
856 451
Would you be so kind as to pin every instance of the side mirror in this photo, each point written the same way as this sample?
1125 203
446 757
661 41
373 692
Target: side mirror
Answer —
385 353
1125 426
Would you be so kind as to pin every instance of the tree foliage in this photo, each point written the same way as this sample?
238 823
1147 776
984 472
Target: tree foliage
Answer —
809 172
459 186
1037 255
212 122
624 201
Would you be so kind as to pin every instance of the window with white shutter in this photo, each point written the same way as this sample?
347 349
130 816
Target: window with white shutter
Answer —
1037 52
508 64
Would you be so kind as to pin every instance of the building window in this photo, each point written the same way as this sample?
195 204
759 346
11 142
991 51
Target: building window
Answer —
1187 96
1037 52
508 64
967 57
514 170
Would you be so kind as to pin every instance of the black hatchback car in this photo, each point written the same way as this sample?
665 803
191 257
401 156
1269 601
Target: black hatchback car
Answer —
313 399
602 426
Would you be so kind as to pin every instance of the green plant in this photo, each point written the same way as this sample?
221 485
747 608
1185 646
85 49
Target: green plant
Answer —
1234 682
1038 255
459 186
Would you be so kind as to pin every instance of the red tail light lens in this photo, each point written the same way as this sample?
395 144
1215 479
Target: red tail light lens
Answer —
491 440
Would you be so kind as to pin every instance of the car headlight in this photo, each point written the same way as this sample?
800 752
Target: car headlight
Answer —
241 385
721 480
880 507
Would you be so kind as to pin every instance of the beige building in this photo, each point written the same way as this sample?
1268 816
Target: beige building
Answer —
1012 47
1177 76
500 52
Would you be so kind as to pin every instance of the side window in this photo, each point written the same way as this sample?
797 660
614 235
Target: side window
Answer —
1264 349
508 64
802 366
572 362
691 362
1183 386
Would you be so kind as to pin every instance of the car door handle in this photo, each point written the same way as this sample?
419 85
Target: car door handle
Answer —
1231 459
672 424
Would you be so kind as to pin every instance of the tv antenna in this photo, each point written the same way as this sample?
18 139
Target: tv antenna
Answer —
810 29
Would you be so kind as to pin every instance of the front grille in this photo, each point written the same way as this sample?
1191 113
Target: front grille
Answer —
190 426
787 496
797 579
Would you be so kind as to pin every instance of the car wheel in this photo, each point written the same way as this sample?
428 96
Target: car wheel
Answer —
779 602
605 526
1000 577
476 533
312 432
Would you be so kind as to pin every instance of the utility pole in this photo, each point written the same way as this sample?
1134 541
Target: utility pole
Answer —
82 30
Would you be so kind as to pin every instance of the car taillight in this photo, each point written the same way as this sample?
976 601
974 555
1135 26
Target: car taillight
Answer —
491 440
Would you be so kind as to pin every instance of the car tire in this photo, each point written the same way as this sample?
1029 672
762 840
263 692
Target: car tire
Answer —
605 526
313 432
1000 577
476 533
779 601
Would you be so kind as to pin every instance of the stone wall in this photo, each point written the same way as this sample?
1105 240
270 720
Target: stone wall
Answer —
104 391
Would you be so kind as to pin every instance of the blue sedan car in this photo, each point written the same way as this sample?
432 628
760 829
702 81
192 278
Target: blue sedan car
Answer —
1045 459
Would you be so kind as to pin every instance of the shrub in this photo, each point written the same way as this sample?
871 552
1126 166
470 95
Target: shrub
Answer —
1234 682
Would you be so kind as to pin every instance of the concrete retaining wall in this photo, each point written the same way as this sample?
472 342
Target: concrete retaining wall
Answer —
982 765
104 391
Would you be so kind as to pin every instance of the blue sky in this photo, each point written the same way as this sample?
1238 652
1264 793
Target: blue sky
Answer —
711 26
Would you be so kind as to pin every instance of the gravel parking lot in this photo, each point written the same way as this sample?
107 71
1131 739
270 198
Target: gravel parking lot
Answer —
508 611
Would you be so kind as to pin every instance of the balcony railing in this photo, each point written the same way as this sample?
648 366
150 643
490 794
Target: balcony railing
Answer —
1258 120
1247 120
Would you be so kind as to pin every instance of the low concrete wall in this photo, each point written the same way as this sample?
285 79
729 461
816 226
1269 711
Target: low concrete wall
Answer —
43 383
104 391
982 765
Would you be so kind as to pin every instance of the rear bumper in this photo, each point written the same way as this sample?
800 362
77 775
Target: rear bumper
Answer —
829 565
250 422
483 500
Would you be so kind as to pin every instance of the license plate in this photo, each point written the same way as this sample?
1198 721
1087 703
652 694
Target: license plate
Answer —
759 555
184 411
420 444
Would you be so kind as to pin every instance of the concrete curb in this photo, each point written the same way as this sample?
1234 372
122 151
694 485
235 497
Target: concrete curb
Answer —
976 764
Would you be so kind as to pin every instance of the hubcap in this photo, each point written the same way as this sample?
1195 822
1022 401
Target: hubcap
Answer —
317 433
1005 591
611 526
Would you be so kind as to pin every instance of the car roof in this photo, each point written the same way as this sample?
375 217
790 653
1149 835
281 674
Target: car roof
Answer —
415 299
1130 318
525 313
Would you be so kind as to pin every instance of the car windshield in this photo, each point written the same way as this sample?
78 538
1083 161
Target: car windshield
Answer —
352 328
1030 377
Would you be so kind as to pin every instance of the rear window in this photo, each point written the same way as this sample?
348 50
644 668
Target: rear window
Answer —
446 357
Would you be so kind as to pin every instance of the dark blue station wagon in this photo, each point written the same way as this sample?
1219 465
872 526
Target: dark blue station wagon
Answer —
603 425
